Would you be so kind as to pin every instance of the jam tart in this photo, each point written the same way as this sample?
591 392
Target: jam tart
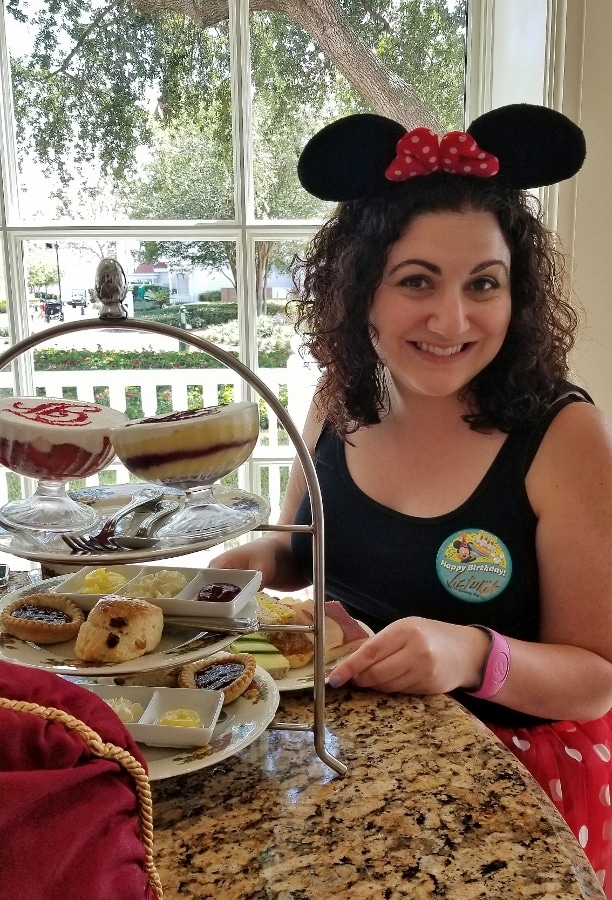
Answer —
230 673
42 618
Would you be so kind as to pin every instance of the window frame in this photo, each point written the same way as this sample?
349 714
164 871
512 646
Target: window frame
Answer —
492 27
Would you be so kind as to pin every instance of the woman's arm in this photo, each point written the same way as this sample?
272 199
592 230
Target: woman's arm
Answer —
271 555
569 674
570 489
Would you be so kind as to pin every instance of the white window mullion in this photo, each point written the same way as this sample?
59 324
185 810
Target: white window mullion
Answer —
17 310
517 54
510 51
12 250
479 55
240 87
240 69
564 57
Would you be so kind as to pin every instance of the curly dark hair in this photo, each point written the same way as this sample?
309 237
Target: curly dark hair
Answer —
343 266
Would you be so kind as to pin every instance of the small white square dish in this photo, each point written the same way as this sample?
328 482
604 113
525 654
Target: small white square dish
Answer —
187 603
153 706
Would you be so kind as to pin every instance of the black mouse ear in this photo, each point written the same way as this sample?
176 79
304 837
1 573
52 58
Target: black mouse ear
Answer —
535 145
347 159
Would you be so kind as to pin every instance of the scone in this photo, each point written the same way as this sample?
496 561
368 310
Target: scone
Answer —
230 673
119 629
42 618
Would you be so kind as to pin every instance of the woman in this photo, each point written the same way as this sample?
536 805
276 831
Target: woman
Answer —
465 482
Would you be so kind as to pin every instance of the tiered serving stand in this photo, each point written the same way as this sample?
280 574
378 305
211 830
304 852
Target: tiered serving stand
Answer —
111 288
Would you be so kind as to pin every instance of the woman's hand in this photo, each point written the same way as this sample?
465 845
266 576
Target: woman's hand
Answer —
270 556
259 555
417 656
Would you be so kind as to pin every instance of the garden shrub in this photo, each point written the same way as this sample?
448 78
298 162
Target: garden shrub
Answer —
48 360
273 337
197 315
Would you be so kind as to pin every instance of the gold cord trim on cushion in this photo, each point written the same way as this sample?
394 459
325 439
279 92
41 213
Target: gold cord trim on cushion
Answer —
117 754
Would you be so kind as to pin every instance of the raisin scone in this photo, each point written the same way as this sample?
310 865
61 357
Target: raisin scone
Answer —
119 629
230 673
42 618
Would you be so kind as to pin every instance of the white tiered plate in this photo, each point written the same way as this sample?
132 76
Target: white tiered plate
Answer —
239 724
178 646
47 547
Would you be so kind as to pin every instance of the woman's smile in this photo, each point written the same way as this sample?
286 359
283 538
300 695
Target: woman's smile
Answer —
440 351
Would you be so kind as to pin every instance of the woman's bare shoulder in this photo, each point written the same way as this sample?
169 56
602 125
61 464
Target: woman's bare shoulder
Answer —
575 455
570 490
315 420
579 425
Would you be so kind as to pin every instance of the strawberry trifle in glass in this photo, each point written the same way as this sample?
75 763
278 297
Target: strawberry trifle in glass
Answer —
54 441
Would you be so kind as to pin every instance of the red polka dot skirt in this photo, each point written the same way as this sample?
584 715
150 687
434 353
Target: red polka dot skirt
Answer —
572 761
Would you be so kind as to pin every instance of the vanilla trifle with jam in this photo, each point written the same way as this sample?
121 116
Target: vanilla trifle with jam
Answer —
191 450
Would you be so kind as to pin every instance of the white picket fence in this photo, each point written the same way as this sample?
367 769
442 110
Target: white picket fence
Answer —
272 453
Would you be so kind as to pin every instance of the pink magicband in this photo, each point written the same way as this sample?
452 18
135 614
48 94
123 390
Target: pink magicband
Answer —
497 666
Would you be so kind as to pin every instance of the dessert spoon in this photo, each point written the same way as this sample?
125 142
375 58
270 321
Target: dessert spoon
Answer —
100 540
143 536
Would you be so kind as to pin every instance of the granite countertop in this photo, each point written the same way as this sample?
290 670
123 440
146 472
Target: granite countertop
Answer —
432 806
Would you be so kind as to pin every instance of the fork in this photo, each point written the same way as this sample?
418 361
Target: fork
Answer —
100 541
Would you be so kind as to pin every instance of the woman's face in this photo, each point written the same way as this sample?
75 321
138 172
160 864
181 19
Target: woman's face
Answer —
443 306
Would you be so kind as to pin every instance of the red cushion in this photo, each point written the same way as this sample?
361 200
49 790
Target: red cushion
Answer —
68 819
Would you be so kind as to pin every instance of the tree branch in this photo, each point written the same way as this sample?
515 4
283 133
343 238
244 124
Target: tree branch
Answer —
376 17
386 92
90 28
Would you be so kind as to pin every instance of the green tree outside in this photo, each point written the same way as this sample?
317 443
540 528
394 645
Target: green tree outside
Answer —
78 92
80 88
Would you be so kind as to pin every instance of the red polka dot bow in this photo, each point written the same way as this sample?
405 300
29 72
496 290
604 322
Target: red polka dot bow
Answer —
421 151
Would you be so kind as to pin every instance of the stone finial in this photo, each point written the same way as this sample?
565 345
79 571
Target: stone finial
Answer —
111 289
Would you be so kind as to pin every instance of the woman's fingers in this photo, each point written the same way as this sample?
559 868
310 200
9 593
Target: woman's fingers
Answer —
414 655
251 556
364 665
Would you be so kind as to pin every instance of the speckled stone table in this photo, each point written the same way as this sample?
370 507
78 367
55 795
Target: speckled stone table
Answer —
432 806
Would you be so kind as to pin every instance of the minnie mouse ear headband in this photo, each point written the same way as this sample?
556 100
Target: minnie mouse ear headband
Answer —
521 145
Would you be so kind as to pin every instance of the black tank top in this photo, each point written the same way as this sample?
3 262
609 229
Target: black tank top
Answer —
476 564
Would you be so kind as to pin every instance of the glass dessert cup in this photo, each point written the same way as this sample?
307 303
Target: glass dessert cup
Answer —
48 509
203 516
53 441
191 451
